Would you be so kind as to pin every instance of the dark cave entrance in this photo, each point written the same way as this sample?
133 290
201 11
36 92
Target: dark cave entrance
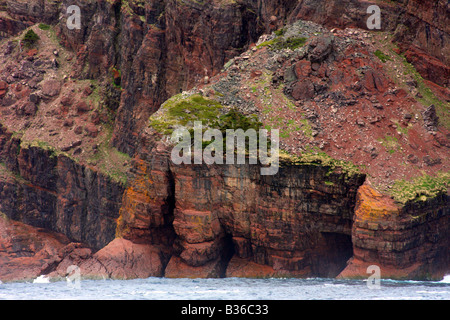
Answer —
228 251
332 255
165 235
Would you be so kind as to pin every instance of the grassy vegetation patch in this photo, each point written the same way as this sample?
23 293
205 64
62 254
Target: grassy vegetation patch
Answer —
53 152
44 26
279 32
30 38
421 188
291 43
236 120
280 43
274 101
181 111
383 57
184 111
313 157
110 161
390 143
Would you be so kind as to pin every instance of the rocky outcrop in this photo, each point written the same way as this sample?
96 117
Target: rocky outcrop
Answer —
200 37
46 11
120 259
420 28
292 223
27 252
159 48
228 220
409 242
176 46
219 220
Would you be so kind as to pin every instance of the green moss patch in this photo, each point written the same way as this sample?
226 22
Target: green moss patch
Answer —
311 157
383 57
390 143
184 111
421 188
44 26
280 43
30 38
110 161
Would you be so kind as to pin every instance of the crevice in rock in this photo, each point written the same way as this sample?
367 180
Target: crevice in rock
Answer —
227 253
118 20
113 92
168 232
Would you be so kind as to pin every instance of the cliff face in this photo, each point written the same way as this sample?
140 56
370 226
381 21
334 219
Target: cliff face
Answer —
423 35
293 223
49 190
69 102
160 48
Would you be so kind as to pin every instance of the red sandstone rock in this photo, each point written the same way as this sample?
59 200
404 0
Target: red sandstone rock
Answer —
26 252
303 90
82 107
238 267
375 81
67 100
32 52
27 109
91 130
261 230
179 269
3 88
429 67
122 259
384 235
302 69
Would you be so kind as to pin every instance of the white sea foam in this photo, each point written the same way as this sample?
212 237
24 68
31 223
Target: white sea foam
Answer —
446 279
431 292
223 289
42 279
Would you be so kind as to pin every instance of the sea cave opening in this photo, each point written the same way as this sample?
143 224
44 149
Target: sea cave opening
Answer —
227 253
334 252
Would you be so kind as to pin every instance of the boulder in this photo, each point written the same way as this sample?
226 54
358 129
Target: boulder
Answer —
430 118
303 90
123 259
320 48
51 88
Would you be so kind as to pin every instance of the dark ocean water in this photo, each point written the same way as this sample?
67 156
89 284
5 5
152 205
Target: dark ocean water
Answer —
226 289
